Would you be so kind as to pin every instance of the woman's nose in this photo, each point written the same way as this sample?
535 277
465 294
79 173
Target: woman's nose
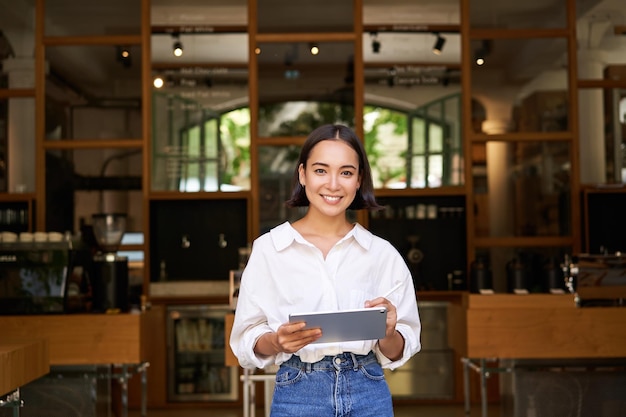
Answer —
333 182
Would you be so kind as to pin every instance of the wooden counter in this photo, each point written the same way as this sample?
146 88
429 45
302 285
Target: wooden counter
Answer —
22 361
83 339
537 326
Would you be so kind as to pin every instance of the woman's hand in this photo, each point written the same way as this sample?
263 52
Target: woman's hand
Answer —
392 345
289 338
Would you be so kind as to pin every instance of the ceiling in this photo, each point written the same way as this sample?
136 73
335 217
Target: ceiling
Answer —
92 68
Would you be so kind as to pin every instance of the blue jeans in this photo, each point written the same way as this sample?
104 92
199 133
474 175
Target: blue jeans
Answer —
345 385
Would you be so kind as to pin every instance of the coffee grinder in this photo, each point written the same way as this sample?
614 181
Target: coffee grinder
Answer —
110 274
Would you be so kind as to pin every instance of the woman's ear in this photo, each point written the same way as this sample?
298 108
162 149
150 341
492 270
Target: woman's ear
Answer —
301 176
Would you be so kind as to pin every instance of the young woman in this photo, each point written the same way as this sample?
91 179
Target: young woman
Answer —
322 262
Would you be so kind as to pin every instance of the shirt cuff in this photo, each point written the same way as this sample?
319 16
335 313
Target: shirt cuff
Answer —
411 347
250 358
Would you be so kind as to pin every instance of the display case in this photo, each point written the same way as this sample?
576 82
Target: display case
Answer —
196 353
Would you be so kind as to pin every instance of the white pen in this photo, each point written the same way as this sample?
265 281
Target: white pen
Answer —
393 289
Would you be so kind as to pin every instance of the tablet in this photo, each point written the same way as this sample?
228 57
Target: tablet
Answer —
346 325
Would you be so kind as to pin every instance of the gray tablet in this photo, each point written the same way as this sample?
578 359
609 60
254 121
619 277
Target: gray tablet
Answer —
346 325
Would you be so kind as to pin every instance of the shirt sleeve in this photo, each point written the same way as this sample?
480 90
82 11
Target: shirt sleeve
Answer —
408 324
250 320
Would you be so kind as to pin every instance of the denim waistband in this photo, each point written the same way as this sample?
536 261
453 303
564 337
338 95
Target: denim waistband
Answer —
341 361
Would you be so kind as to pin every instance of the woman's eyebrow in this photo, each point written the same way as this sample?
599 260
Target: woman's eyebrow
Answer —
327 165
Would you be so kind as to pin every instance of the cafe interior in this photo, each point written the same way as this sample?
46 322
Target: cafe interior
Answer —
145 144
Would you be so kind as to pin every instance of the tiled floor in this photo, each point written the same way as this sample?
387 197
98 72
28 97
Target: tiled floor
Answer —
400 411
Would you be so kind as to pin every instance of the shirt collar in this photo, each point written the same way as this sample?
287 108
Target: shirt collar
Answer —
284 235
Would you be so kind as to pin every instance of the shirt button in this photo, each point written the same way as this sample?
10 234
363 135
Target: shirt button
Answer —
337 361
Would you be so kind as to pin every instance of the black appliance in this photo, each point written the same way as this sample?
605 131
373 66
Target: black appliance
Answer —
34 277
110 287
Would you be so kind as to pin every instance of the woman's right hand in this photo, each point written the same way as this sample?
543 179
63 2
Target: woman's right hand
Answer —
289 338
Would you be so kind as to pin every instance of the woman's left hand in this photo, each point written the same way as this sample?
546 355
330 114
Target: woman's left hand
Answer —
392 345
392 316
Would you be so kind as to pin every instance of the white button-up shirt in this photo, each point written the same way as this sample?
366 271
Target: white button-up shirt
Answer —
287 274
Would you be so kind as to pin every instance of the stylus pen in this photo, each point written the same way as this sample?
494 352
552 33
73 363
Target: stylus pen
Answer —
393 289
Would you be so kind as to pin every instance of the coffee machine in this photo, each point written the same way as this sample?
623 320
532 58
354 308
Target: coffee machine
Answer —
110 287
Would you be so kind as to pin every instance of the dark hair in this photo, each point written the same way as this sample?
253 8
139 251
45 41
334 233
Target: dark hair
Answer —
364 198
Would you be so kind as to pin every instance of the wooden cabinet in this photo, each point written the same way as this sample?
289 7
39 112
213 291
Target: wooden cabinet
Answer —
429 232
196 240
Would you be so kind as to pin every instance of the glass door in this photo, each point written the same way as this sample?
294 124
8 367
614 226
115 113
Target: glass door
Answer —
196 355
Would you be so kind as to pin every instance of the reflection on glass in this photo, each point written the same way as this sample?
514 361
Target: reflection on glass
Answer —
600 34
525 78
195 14
602 127
276 169
289 72
94 75
92 181
404 74
534 269
299 118
17 141
284 16
198 49
89 122
425 152
200 132
386 143
411 12
525 190
196 149
512 15
17 44
82 18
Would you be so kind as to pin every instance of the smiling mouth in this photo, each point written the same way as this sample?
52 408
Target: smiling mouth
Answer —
331 198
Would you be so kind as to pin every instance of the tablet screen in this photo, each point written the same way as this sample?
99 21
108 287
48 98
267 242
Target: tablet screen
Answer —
346 325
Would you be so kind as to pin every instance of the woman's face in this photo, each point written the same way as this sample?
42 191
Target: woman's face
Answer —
331 177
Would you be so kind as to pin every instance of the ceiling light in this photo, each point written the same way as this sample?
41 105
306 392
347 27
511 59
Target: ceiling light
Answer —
439 43
123 56
178 46
158 82
314 49
375 43
481 53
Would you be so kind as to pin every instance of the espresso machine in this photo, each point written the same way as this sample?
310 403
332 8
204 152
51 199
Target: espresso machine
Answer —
110 288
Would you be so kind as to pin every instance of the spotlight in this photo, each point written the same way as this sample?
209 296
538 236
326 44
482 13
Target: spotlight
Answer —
314 49
123 56
158 82
482 52
375 43
178 46
439 43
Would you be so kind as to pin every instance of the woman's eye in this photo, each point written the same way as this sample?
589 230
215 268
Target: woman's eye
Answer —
319 171
347 173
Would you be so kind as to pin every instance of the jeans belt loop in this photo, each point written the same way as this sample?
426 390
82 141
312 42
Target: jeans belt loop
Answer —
355 363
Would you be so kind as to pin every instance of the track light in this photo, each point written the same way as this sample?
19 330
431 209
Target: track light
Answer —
124 57
178 46
375 42
439 43
481 53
